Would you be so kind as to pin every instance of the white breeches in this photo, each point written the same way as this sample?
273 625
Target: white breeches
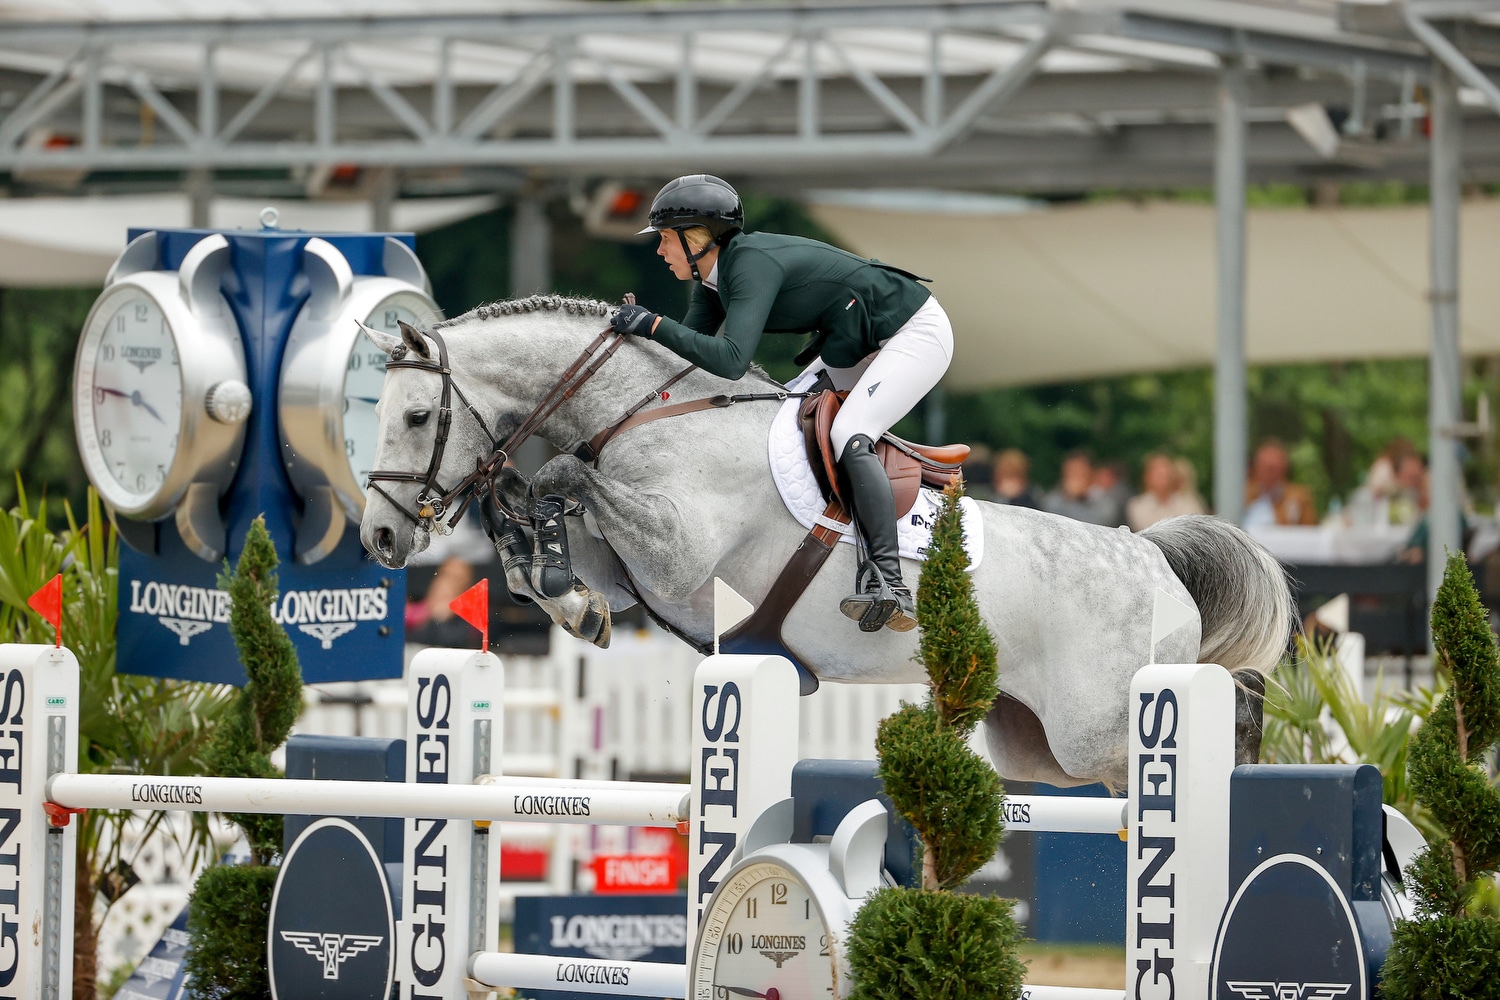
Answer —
885 386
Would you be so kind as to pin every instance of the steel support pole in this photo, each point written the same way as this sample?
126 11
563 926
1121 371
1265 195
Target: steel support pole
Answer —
530 247
1444 391
1230 426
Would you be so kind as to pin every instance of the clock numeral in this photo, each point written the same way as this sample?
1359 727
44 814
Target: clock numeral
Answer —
735 944
120 323
106 438
346 404
778 893
121 474
349 447
355 362
822 945
107 352
140 480
392 317
161 473
750 907
141 312
807 909
98 396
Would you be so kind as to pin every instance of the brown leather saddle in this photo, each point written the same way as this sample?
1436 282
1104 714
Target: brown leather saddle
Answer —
910 466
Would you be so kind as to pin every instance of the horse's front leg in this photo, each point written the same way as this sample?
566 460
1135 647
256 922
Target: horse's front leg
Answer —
584 613
666 548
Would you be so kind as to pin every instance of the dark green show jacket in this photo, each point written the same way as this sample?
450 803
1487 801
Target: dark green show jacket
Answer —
787 284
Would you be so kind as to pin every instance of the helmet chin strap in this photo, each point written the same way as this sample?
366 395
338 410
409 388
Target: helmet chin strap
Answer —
693 258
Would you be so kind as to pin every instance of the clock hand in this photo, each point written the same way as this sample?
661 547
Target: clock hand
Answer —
135 397
771 994
112 392
372 400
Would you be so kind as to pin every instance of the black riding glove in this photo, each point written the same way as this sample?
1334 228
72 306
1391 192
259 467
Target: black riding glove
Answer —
633 319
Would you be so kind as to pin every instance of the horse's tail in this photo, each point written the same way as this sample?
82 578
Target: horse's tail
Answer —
1243 598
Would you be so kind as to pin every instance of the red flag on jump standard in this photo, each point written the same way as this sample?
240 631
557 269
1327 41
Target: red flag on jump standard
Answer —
47 602
473 606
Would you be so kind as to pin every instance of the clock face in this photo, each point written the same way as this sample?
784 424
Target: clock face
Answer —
764 936
366 373
137 393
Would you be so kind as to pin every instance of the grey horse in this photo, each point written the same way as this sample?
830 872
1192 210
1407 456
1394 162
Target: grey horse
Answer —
674 503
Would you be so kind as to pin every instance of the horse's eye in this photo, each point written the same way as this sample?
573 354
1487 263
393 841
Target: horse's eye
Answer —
416 419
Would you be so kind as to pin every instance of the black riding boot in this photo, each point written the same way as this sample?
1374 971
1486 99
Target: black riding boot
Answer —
551 569
881 598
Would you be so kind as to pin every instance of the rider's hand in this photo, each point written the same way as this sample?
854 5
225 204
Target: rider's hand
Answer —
634 319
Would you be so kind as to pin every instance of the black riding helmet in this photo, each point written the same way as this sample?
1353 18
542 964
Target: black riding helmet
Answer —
697 200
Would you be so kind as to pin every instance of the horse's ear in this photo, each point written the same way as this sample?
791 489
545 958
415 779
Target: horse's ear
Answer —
386 342
413 339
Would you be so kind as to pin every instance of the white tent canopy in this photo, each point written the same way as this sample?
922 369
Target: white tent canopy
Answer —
51 242
1054 294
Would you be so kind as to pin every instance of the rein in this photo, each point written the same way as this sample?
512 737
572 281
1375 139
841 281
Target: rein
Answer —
434 500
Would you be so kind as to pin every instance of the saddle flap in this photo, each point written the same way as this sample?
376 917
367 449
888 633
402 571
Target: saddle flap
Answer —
903 467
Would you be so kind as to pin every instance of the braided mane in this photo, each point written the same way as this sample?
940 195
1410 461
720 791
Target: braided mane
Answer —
532 303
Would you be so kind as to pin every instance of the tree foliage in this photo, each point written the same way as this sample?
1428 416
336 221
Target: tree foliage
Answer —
230 906
929 943
1448 951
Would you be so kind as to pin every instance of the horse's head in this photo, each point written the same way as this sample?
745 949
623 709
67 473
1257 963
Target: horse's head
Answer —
503 358
412 429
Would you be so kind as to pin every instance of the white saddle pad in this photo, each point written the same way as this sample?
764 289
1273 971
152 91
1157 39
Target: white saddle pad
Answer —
799 491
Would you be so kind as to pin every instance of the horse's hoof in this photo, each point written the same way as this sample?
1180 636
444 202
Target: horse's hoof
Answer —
593 623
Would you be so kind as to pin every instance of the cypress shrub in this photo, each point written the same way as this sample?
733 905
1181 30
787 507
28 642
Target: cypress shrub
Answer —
931 943
229 911
1451 951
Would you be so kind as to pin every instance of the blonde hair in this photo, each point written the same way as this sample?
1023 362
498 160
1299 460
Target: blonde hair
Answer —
698 237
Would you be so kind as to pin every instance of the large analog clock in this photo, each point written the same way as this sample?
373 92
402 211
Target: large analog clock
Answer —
160 398
776 927
331 375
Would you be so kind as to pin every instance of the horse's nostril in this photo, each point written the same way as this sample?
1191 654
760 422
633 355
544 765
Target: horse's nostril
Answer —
385 540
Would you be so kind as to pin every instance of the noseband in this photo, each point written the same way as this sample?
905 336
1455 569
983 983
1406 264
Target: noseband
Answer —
434 500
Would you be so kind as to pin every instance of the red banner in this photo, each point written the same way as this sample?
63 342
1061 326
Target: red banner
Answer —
47 602
619 873
473 606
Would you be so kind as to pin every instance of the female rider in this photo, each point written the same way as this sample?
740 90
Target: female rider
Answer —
874 329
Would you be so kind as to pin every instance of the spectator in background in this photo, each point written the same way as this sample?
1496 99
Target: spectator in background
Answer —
1164 496
1187 482
1013 480
1409 487
1111 486
1270 496
1075 496
1381 480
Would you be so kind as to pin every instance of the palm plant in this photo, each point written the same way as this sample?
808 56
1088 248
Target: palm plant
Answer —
127 723
1314 715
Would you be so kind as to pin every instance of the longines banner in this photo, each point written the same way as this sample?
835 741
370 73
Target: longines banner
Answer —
346 624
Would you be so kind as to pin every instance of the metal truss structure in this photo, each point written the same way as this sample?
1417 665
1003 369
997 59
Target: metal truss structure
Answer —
1021 94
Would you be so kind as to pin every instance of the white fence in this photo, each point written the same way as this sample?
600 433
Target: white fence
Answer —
582 712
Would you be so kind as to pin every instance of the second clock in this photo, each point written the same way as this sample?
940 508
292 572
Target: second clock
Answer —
330 381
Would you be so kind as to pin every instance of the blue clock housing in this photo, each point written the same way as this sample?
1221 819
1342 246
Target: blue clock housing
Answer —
345 613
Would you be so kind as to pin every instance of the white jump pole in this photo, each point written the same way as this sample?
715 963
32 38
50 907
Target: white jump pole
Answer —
1064 814
591 976
556 801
